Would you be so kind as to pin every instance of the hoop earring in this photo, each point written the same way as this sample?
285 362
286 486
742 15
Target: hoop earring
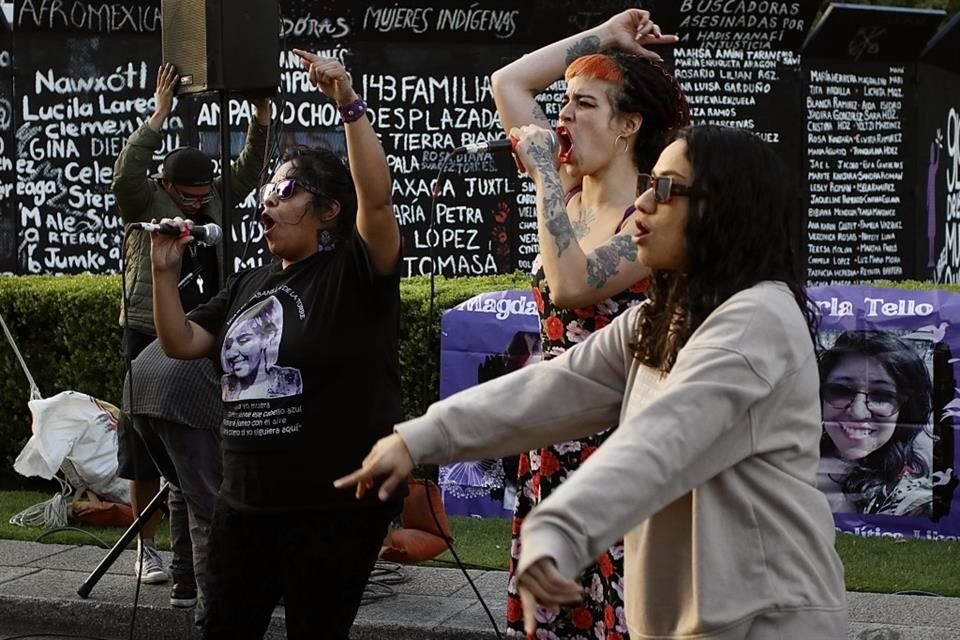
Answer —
626 144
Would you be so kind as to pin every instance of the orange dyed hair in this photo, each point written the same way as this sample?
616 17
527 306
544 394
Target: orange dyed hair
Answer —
597 66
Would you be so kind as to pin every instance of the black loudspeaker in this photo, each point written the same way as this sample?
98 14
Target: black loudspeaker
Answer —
223 45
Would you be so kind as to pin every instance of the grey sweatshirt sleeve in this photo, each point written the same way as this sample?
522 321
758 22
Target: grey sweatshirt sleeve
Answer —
669 441
573 395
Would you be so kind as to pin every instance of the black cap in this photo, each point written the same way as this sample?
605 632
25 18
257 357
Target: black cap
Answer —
188 167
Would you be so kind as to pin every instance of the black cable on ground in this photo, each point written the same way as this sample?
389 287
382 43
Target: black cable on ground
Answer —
468 565
459 562
383 578
424 395
100 541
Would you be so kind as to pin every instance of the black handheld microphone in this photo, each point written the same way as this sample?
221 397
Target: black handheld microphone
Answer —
509 144
209 234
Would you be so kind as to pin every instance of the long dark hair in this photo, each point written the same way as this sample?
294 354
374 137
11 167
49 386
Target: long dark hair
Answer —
326 173
883 468
743 229
642 86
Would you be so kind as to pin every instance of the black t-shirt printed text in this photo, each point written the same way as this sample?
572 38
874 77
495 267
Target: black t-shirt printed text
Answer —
310 376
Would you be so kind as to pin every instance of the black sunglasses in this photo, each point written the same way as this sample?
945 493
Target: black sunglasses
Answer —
285 189
663 187
878 402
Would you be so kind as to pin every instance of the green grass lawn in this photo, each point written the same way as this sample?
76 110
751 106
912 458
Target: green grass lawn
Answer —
879 565
13 502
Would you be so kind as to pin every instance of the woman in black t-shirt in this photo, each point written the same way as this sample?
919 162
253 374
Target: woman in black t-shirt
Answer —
307 350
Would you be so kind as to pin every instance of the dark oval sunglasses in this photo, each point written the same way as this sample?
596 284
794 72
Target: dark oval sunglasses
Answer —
663 187
284 189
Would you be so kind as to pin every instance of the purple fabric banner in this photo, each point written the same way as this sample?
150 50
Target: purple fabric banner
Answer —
485 337
889 396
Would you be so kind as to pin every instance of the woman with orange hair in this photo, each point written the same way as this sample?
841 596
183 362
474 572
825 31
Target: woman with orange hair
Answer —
619 108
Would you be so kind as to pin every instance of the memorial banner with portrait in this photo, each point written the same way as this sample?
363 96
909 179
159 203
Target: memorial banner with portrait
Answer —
482 338
889 398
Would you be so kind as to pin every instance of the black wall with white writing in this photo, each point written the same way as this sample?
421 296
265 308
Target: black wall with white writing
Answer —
861 222
938 163
77 77
8 230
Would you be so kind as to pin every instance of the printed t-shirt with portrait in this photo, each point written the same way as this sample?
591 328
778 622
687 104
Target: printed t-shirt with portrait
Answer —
310 376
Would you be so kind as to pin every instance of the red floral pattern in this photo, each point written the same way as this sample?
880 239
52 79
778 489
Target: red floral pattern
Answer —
601 616
553 327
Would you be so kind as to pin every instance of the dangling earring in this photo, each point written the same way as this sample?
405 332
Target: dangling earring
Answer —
616 144
326 241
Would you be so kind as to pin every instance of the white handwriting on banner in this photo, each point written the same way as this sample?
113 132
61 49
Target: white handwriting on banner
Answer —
948 264
103 18
6 114
123 78
315 27
953 152
739 24
837 308
500 22
855 175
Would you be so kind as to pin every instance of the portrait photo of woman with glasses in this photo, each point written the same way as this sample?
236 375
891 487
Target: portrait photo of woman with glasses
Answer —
876 449
250 350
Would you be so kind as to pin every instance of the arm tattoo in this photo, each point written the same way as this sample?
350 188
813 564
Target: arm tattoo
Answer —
602 265
554 213
581 226
590 44
539 117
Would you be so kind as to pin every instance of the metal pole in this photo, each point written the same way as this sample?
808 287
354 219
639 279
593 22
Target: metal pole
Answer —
123 542
226 204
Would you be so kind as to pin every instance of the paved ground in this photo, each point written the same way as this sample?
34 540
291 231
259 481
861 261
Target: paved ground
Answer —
39 582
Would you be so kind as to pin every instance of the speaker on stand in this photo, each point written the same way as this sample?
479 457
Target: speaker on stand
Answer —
227 46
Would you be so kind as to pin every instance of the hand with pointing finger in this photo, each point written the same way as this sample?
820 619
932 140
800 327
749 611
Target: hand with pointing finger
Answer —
633 29
388 458
541 584
329 75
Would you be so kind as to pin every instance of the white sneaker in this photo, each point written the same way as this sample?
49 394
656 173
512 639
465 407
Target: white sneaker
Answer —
152 571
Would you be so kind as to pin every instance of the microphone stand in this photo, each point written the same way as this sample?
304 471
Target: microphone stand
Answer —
123 542
143 517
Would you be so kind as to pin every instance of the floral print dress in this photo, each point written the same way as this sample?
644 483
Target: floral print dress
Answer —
601 616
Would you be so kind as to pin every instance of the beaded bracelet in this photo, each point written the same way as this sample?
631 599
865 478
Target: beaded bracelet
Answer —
353 111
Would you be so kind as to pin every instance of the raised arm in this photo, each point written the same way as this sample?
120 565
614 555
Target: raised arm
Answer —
180 338
576 278
130 185
376 222
516 85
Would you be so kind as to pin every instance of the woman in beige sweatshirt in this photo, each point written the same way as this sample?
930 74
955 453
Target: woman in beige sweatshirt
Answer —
711 475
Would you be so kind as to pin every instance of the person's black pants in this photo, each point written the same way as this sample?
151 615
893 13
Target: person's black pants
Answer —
318 561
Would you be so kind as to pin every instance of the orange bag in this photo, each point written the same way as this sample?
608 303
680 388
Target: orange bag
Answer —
418 539
92 511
